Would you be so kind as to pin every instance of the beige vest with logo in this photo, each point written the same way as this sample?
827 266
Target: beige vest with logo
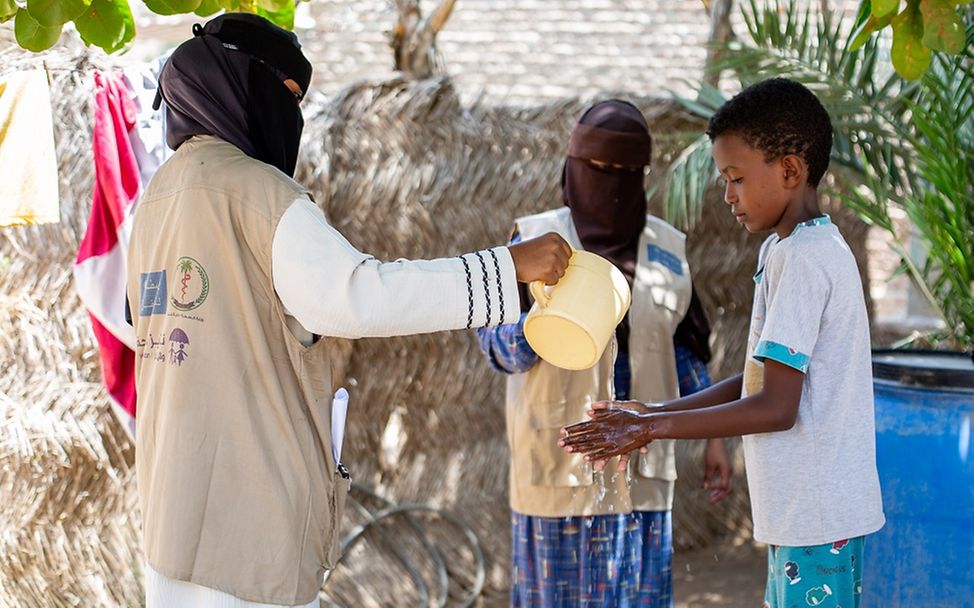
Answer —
237 484
545 481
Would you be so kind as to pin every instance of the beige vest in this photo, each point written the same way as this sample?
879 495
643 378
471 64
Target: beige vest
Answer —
544 480
237 484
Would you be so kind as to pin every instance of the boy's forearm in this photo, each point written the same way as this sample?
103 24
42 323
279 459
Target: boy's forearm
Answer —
756 414
722 392
773 409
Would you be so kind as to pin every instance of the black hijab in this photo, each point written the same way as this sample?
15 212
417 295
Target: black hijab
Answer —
227 81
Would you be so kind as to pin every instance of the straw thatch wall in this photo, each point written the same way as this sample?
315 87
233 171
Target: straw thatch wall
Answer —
68 520
403 170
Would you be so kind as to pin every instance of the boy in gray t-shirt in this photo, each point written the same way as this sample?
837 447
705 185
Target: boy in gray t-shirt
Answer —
804 402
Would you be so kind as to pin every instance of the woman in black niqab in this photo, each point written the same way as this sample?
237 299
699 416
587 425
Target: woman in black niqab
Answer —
229 81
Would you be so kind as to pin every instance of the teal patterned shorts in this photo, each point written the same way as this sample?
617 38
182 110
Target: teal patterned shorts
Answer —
827 576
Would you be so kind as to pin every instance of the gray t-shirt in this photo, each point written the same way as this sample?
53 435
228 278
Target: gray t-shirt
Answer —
817 482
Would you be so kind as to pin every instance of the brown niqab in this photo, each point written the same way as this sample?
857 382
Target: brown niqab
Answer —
608 204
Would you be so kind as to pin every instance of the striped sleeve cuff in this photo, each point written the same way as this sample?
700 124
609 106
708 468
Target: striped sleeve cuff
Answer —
491 288
782 354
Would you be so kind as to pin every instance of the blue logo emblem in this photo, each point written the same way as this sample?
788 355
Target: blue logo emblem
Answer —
152 293
666 258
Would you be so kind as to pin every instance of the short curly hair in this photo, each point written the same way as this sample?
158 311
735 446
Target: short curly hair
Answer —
779 117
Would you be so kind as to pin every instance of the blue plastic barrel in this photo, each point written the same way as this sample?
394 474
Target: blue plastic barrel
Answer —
924 556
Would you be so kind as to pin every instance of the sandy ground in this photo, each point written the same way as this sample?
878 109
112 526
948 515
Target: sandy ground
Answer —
728 573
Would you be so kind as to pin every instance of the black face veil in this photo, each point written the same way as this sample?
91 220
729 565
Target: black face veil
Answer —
227 81
608 205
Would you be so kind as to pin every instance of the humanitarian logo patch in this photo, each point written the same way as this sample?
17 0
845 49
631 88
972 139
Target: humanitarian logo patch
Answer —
152 293
178 341
655 253
192 286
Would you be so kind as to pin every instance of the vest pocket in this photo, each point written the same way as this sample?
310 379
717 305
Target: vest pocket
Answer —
553 466
659 462
331 535
658 307
547 415
327 510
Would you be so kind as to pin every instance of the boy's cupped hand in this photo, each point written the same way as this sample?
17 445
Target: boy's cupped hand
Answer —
616 428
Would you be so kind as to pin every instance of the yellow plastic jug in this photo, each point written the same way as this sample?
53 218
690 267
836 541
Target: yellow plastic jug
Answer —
572 321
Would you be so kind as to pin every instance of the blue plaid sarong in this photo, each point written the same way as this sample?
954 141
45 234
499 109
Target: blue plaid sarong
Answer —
605 560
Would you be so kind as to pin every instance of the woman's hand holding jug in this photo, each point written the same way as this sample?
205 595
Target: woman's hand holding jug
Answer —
544 258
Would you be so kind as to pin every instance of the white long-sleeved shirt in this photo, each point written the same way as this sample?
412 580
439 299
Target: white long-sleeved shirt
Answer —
332 289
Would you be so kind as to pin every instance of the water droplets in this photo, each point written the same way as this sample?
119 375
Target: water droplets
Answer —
600 480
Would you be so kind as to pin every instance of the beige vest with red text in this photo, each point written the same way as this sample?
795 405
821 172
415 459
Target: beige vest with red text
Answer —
545 481
238 487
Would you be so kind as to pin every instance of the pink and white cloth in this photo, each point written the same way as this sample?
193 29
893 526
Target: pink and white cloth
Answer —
100 267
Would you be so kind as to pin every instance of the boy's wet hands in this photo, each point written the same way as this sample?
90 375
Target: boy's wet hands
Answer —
544 258
616 429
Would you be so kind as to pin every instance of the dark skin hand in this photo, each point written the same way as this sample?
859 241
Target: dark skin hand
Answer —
718 472
722 392
544 258
616 430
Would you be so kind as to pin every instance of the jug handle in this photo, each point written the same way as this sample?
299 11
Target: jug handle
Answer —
538 292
